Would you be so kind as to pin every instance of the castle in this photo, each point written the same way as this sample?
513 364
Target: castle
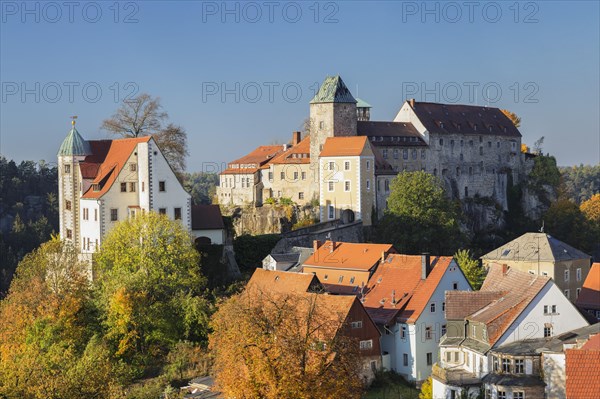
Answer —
347 161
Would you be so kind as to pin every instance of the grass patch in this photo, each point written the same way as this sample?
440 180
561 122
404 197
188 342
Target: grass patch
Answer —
389 385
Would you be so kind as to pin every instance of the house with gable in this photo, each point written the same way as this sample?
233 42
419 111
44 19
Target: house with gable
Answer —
406 299
588 300
511 306
102 182
344 267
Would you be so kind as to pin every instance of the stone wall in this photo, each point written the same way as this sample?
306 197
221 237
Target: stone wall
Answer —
333 230
268 219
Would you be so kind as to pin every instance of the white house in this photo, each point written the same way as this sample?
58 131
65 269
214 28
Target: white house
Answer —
511 306
104 181
207 225
406 299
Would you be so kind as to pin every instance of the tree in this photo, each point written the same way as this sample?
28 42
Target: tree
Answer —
426 390
565 221
420 218
470 267
580 183
150 288
514 118
143 116
591 209
282 346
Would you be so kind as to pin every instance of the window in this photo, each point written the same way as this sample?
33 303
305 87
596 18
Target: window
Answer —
396 153
162 211
403 332
427 332
567 275
295 176
506 365
368 165
352 280
422 154
86 214
347 185
502 395
454 286
143 186
385 153
356 324
366 345
321 124
413 154
577 291
346 165
368 185
340 279
132 187
429 358
95 215
518 395
303 175
132 167
444 329
67 169
441 142
282 175
68 205
448 356
300 195
177 213
443 306
547 330
496 364
405 359
578 274
330 186
480 150
387 185
161 186
568 294
69 233
123 187
114 215
553 309
519 366
331 212
432 308
331 165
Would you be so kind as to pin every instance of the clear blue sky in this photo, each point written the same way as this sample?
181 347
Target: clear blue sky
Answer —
543 56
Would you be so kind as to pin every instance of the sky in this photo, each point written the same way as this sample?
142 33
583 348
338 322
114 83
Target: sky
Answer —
237 75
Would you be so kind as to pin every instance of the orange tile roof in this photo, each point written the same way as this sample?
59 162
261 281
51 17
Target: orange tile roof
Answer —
583 370
346 255
104 167
397 290
253 160
279 281
589 297
344 146
298 154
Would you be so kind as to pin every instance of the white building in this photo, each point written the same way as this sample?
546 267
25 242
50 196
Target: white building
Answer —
511 306
406 299
104 181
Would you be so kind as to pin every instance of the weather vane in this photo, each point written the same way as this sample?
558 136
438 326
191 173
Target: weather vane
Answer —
73 118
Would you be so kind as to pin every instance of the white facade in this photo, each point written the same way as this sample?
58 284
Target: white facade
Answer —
216 236
415 346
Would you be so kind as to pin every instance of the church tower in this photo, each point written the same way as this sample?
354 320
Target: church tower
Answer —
332 114
72 151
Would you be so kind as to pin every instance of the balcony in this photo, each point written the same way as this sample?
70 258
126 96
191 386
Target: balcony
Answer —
454 376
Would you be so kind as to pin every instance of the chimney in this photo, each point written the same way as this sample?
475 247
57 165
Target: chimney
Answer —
286 147
425 266
504 269
382 256
412 102
296 137
316 245
332 246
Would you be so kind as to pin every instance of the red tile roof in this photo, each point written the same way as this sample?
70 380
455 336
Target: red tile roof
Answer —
344 146
278 281
107 159
298 154
251 162
346 255
583 370
207 217
589 297
397 290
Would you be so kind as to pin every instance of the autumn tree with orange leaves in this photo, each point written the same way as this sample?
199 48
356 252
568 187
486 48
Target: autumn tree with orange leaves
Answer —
289 345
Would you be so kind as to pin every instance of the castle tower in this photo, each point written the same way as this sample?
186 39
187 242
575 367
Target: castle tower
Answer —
332 114
72 151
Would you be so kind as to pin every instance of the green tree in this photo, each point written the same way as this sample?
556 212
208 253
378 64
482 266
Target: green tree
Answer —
565 221
470 267
420 217
544 172
426 389
150 288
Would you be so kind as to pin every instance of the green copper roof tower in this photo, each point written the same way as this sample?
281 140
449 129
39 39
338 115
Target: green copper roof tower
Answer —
74 144
333 90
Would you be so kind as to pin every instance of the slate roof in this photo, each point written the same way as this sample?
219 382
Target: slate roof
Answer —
279 281
333 90
251 162
346 255
104 167
396 289
464 119
583 370
589 297
391 133
535 247
74 144
344 146
207 217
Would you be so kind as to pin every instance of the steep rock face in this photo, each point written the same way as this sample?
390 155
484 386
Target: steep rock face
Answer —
483 215
535 202
268 219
